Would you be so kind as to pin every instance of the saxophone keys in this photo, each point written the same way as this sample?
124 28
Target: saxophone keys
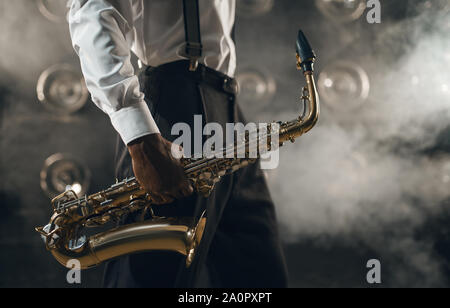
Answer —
136 204
205 176
235 168
244 163
205 190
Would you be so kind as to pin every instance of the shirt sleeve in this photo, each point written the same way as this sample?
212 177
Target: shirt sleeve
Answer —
102 34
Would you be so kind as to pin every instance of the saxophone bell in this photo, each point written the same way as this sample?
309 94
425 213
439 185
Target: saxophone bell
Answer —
179 235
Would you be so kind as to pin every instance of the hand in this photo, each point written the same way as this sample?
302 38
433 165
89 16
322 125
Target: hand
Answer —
157 170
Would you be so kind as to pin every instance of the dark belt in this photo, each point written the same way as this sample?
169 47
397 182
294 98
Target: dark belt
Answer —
215 79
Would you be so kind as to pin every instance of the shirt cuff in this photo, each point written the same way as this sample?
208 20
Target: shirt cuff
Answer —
133 122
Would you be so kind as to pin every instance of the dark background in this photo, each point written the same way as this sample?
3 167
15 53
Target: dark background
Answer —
393 207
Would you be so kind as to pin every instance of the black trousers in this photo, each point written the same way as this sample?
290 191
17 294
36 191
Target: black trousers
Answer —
241 246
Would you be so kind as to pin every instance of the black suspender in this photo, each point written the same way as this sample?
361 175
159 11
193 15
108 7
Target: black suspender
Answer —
193 48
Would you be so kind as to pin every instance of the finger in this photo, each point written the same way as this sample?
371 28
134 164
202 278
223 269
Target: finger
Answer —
175 194
167 199
187 190
157 199
183 190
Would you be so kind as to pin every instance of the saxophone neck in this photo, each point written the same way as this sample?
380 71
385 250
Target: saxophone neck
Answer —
314 106
290 131
306 57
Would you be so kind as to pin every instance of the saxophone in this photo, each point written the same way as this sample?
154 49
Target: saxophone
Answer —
71 214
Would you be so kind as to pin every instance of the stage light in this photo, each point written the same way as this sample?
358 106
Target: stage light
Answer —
61 89
76 187
446 173
62 172
341 11
252 8
53 10
344 85
424 5
256 88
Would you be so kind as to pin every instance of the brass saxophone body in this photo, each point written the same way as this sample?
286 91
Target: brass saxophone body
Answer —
71 215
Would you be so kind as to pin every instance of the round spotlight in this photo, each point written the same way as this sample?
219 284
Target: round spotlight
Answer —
256 89
431 5
342 11
61 172
446 173
62 89
53 10
344 85
252 8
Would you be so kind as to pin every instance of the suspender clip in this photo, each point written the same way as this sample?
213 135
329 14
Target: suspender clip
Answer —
193 65
193 52
193 49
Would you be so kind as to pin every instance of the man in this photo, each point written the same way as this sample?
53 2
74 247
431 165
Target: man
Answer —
240 247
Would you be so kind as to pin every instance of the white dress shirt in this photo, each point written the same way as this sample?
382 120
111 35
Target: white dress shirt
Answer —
105 32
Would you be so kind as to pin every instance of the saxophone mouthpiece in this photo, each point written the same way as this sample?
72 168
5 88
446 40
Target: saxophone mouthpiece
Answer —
305 54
